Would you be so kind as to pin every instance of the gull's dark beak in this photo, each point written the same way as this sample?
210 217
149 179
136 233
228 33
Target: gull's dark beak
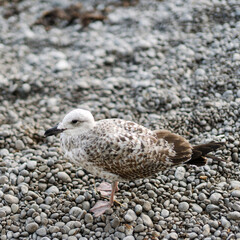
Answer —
53 131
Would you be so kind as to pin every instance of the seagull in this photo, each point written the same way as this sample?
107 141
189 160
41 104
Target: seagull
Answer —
120 150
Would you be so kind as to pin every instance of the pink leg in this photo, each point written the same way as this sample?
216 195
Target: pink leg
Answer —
114 189
101 206
106 188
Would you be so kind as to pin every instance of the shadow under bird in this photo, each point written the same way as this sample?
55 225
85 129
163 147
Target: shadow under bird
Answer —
120 150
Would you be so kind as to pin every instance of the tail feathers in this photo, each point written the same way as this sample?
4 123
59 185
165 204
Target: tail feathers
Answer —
200 152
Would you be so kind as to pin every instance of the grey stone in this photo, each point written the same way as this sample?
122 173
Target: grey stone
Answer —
26 88
183 206
53 189
192 235
2 213
75 211
4 152
196 208
173 235
115 222
32 227
64 177
88 218
130 216
146 220
206 230
138 209
14 207
236 57
11 199
42 232
80 199
86 205
31 165
215 197
236 193
211 207
139 228
164 213
180 173
225 223
19 145
62 65
233 215
129 238
235 184
3 179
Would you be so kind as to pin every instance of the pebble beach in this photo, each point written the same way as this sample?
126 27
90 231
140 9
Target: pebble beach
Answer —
164 64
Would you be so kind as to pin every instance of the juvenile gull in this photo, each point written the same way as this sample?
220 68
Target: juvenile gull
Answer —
121 150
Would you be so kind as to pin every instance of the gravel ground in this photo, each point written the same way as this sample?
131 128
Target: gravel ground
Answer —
164 64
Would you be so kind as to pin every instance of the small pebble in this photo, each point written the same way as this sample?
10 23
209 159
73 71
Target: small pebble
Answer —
183 206
130 216
31 227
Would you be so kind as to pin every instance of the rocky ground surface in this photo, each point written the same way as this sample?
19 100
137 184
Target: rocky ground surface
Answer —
164 64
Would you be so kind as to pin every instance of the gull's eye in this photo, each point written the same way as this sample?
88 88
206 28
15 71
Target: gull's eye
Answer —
74 121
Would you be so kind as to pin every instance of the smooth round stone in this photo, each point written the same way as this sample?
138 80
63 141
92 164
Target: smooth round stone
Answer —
2 213
3 179
183 206
62 65
14 207
4 152
86 205
236 193
139 228
41 232
10 198
211 207
26 88
75 211
52 189
7 209
32 227
180 173
146 220
19 145
200 72
64 177
48 200
235 184
80 199
225 223
54 229
202 196
138 209
147 206
129 238
215 197
196 208
173 236
130 216
206 230
72 238
164 213
236 57
234 215
192 235
88 218
31 165
115 222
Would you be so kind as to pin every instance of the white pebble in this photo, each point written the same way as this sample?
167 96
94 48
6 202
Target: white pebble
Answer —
62 65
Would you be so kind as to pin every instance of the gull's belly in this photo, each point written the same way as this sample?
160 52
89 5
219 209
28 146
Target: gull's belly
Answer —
82 161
